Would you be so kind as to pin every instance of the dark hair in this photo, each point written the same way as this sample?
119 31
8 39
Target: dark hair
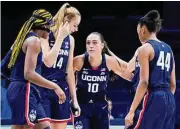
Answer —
152 21
106 50
39 18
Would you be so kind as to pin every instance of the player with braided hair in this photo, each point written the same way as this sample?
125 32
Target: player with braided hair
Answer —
25 59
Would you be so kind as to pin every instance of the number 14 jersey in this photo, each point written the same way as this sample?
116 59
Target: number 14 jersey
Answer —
58 70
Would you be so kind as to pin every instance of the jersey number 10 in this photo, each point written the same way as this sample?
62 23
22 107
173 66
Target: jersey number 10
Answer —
93 87
164 61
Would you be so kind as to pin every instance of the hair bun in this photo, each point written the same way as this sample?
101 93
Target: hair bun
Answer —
153 15
68 5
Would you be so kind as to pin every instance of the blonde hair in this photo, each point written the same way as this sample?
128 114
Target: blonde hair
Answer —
65 11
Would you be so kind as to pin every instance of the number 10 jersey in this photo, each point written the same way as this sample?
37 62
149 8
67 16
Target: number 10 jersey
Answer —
92 82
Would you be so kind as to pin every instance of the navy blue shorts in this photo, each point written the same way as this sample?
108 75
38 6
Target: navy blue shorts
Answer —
93 116
24 101
55 111
158 111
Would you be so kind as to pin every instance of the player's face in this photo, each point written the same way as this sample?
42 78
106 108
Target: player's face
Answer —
74 23
141 33
45 33
94 45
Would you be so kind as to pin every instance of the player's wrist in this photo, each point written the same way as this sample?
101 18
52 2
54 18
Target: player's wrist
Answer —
61 36
74 100
132 110
54 86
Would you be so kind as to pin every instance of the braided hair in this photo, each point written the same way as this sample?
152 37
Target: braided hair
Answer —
39 18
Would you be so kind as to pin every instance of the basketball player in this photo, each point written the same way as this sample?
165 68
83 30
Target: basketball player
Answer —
93 69
156 78
60 69
25 63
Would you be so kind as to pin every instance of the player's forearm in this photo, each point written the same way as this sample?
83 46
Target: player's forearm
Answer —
131 65
51 56
72 87
140 92
37 79
122 63
127 75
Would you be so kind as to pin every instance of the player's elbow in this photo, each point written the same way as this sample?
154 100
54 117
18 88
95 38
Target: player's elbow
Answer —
48 62
28 74
145 83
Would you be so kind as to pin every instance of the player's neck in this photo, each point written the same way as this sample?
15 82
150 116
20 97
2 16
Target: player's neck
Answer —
95 61
153 37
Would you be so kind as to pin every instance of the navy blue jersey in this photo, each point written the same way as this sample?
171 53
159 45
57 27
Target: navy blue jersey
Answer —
159 103
135 79
58 70
161 66
92 83
17 72
5 71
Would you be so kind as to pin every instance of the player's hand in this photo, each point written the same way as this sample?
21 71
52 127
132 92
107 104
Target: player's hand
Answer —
64 30
60 93
129 119
76 107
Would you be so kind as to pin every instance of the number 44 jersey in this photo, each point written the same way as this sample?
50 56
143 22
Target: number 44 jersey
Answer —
92 82
161 66
58 70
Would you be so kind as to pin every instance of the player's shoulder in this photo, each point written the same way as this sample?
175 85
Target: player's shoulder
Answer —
110 61
110 58
167 45
78 62
32 41
145 48
79 58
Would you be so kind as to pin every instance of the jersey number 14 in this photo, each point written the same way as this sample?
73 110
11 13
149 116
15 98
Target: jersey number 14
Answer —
58 63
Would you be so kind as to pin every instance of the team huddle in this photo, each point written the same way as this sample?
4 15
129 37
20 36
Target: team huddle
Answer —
48 86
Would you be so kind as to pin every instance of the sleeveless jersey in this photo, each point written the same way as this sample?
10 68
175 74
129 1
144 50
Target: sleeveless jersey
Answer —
92 83
58 70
